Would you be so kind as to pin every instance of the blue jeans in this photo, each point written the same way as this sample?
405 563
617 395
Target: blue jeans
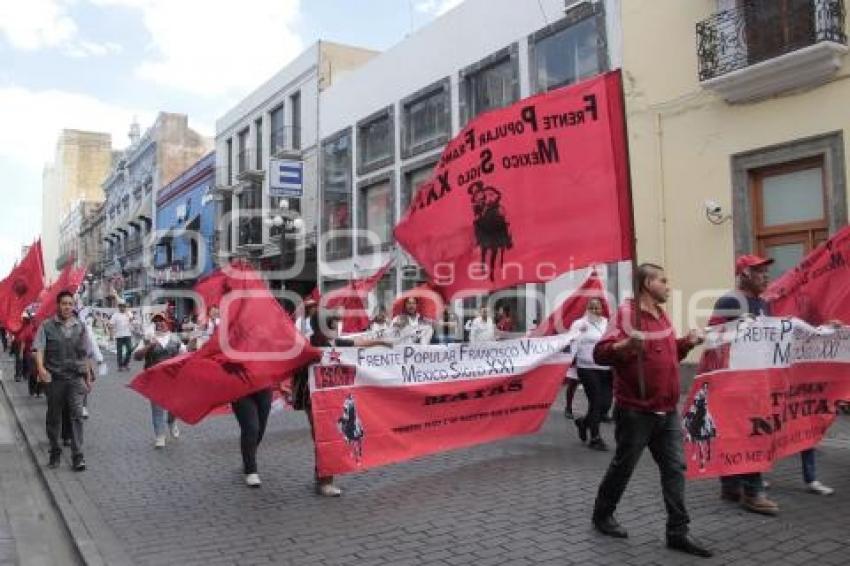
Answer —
159 417
809 471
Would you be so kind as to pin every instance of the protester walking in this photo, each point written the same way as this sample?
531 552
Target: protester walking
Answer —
752 278
595 378
252 414
62 363
120 330
158 347
642 348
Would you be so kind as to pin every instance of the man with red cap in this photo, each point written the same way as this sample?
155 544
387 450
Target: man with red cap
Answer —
752 274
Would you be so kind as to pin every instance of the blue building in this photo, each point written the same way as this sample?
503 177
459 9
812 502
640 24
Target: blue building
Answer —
185 225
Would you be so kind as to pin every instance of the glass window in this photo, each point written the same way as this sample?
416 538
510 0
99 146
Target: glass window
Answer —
243 162
295 108
376 215
426 120
793 197
276 142
567 56
250 216
375 139
786 257
336 183
491 87
412 180
258 145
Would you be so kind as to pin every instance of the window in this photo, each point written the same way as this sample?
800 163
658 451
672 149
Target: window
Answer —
242 139
276 142
258 145
295 109
569 50
376 214
336 185
375 141
492 83
426 119
384 294
790 211
412 177
250 216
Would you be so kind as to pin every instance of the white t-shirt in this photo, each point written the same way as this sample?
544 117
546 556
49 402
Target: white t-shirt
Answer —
163 339
302 324
590 332
481 330
120 323
412 329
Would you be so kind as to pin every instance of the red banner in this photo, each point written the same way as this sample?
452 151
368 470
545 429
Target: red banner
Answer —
817 290
21 288
526 193
373 407
781 387
574 307
352 299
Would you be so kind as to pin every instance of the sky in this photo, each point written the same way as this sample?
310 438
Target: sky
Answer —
98 64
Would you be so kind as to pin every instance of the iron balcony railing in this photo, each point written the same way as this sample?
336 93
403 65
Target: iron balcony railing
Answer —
759 30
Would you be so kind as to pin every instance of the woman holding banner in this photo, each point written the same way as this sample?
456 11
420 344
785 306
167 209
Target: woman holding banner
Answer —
596 379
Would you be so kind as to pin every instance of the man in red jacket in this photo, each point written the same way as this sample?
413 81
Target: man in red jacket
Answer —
644 353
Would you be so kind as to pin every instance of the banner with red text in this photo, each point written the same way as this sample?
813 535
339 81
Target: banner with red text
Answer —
525 193
378 406
774 387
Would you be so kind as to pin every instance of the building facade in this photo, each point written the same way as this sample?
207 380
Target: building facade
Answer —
81 162
383 128
738 127
150 162
279 120
184 231
91 256
71 248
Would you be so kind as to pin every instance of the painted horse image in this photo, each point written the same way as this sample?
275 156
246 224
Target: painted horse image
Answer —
699 426
351 428
492 229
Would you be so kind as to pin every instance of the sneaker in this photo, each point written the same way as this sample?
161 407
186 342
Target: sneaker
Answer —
760 504
159 442
55 458
328 490
85 413
252 480
175 430
818 488
79 463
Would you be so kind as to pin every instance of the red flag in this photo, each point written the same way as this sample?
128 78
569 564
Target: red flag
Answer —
70 280
21 288
430 301
817 290
526 193
352 300
255 347
574 307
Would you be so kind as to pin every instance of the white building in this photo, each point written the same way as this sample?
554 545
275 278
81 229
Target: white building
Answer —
278 120
383 127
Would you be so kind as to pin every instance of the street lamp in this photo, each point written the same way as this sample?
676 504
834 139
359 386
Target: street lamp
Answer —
291 225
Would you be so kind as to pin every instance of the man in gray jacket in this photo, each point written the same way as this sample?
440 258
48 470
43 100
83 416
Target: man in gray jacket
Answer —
62 362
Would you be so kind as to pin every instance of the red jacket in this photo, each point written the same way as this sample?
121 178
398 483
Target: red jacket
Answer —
662 352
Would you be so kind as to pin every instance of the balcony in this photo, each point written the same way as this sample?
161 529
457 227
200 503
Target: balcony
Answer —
285 141
247 167
762 48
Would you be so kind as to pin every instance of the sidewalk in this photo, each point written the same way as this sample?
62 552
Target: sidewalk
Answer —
519 502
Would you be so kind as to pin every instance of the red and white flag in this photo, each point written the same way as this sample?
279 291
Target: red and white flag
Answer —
574 307
526 193
378 406
774 390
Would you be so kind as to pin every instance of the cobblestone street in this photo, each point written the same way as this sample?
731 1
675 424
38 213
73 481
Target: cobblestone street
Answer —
522 501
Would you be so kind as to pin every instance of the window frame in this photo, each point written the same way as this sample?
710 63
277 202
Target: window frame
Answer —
441 87
274 150
509 54
348 249
363 245
426 161
387 113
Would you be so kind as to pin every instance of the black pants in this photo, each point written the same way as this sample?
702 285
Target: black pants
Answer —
662 434
607 393
65 395
252 413
595 383
123 346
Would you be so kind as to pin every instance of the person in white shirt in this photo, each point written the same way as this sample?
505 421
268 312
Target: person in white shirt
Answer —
156 348
120 329
482 328
302 323
410 327
379 325
595 379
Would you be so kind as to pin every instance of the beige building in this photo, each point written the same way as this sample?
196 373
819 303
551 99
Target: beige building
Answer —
737 117
81 163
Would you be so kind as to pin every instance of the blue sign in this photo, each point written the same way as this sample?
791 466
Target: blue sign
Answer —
286 178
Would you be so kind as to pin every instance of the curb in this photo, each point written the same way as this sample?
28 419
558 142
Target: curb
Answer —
94 541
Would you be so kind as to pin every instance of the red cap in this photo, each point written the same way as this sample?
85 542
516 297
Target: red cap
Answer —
746 261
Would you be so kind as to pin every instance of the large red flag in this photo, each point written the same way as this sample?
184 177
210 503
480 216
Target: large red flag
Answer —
817 290
70 280
574 307
255 347
527 192
352 300
21 288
